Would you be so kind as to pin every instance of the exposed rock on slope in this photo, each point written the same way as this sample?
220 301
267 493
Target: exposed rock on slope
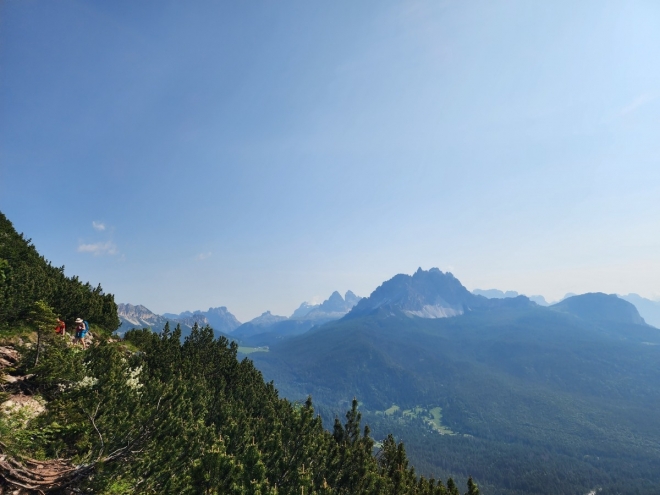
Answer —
139 317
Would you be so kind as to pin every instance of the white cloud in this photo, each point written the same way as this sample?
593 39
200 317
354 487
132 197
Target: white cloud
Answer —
98 225
203 256
99 248
637 102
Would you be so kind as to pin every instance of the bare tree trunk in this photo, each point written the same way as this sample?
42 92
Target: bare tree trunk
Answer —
36 359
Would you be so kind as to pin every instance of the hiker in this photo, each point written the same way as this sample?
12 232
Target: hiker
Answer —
60 329
81 330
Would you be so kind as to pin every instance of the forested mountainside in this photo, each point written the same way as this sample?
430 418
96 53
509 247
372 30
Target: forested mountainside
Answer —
148 413
26 277
540 400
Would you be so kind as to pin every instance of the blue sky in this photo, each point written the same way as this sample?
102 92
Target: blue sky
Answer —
259 154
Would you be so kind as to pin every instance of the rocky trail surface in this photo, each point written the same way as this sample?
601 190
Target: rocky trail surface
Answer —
23 475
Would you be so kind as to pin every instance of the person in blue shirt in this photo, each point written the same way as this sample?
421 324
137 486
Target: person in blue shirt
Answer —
81 331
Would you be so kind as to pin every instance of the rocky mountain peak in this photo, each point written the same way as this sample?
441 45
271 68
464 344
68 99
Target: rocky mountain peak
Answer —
426 294
134 311
351 298
266 319
335 303
303 310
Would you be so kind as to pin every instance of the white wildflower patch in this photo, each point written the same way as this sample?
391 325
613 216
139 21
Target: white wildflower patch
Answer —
133 380
87 382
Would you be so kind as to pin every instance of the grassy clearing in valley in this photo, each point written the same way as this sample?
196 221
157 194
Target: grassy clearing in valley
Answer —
432 417
436 422
250 350
392 410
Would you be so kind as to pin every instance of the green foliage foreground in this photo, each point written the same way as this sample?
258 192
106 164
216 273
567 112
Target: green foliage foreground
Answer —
157 416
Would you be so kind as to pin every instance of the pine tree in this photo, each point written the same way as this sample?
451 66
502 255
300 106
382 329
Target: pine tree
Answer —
473 489
452 489
43 318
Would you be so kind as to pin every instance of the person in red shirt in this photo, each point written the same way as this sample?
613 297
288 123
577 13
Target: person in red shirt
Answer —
60 329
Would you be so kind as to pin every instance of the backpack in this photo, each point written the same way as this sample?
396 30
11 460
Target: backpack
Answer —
86 326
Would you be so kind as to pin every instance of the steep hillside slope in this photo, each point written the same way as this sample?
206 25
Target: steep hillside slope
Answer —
27 277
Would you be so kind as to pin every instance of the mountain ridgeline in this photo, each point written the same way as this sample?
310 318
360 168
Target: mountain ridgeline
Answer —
268 329
648 309
262 330
498 294
138 316
557 399
428 294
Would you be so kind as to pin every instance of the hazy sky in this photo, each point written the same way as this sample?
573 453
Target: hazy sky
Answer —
255 155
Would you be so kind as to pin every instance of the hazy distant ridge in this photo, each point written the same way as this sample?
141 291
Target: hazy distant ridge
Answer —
268 328
138 316
498 294
648 309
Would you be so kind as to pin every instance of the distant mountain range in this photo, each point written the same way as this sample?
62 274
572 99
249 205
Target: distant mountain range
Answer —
219 318
498 294
139 316
268 328
648 309
334 306
543 394
262 330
